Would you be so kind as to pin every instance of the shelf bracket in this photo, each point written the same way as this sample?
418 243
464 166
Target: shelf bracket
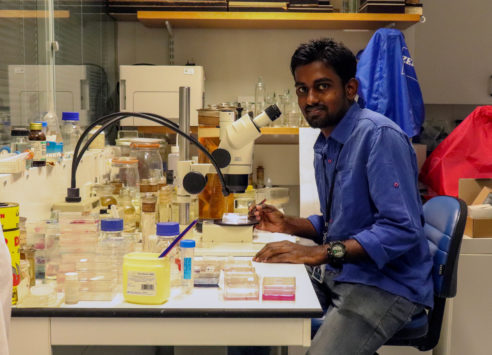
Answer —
170 42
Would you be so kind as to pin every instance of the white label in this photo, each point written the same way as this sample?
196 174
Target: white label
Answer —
19 70
38 149
141 283
189 71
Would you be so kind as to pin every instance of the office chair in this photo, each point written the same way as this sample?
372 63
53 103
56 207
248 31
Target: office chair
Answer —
445 219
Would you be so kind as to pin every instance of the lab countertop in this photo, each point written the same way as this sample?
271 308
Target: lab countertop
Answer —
201 303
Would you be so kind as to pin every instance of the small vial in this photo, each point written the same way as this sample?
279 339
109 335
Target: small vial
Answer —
187 253
71 288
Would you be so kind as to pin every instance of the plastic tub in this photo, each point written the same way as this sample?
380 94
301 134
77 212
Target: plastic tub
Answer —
146 278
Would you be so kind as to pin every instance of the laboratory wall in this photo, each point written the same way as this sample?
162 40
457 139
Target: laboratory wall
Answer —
233 59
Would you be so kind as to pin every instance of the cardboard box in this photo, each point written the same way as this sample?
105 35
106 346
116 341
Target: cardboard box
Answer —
478 228
476 192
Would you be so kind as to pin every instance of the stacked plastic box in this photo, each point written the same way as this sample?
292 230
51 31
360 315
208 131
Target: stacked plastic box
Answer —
79 235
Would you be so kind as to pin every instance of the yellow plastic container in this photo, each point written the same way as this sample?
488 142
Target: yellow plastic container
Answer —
146 278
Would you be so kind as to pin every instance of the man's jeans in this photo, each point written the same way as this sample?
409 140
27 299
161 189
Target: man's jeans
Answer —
359 319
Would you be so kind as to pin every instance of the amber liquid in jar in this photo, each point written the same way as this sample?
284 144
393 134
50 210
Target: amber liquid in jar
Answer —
212 204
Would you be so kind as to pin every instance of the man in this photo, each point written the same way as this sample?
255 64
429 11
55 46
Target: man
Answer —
371 267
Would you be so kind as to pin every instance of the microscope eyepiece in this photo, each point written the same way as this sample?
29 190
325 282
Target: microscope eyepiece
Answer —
273 112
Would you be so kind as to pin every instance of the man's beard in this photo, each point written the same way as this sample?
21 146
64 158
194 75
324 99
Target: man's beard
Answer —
328 119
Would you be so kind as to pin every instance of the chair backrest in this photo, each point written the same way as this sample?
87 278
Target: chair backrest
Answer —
445 219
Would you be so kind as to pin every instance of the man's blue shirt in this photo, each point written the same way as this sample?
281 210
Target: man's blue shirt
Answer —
375 201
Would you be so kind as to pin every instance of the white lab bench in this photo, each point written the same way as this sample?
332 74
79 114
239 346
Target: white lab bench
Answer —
200 319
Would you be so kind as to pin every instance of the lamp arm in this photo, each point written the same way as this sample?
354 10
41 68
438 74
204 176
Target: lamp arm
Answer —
73 193
99 121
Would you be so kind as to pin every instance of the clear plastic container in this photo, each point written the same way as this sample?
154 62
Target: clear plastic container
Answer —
79 235
187 255
207 271
166 232
279 288
112 246
241 286
70 130
124 172
72 286
149 163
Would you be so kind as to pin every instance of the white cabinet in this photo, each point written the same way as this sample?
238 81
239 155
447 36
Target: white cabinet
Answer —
468 320
453 55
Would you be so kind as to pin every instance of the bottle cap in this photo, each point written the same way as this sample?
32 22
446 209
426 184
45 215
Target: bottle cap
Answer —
167 228
70 116
43 123
187 243
19 132
174 149
35 126
112 225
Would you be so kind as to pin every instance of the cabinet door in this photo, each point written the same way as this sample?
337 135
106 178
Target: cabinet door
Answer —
471 310
453 56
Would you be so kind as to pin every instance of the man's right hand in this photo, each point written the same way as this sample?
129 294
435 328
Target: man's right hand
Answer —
270 218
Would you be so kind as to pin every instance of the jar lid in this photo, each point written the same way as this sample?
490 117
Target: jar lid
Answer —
70 116
43 123
146 187
187 243
19 132
125 160
145 145
167 228
35 126
148 206
112 225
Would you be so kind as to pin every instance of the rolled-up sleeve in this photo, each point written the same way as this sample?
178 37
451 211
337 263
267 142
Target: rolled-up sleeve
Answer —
392 179
319 224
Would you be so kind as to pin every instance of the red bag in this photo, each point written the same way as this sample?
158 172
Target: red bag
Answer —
465 153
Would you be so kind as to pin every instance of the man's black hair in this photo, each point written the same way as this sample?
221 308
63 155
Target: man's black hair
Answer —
326 50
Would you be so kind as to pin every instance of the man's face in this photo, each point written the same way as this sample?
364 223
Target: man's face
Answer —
321 95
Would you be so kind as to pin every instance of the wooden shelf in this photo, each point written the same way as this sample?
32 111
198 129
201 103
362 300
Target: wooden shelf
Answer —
280 130
275 20
33 14
161 130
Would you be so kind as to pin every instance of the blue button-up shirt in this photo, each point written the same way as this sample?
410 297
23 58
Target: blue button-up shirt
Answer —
375 201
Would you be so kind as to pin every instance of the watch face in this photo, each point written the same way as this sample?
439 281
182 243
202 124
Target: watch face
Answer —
338 250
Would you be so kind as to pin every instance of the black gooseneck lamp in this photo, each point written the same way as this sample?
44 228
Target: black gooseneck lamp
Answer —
73 192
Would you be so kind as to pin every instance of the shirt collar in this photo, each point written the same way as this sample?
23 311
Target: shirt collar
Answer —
345 127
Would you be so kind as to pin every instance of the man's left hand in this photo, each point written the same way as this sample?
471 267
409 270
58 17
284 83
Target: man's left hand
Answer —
288 252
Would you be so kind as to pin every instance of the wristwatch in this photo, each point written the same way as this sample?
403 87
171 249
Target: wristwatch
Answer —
336 254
